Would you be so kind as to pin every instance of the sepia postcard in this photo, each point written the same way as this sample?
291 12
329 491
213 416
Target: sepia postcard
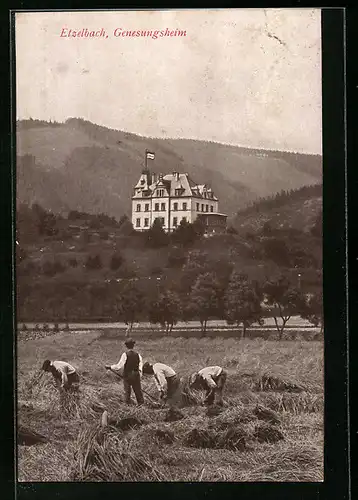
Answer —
170 322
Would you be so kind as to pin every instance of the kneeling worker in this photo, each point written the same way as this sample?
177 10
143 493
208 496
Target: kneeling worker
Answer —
130 368
211 379
166 380
64 374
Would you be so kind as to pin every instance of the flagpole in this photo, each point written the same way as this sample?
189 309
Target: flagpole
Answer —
146 159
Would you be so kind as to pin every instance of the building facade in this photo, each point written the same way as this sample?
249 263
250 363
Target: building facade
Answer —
173 198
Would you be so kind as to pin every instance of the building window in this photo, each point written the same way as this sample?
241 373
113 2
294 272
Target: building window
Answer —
146 222
197 207
175 206
138 208
211 209
178 192
202 207
184 206
160 192
146 209
175 221
207 208
137 223
162 207
161 220
156 207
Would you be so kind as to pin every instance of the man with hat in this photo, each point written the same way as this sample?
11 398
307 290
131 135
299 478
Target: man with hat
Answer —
64 374
129 367
166 380
211 379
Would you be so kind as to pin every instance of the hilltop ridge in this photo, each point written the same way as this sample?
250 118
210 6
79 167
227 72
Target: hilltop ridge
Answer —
78 165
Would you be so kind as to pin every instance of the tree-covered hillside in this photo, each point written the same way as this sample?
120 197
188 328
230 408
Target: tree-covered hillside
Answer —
78 165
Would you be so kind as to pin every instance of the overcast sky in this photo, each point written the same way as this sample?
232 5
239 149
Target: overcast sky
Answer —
240 76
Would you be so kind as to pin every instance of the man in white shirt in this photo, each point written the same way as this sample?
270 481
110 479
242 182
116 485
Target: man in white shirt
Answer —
211 379
129 367
64 374
166 380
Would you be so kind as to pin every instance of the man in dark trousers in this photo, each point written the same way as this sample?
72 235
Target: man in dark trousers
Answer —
212 379
129 367
64 374
166 380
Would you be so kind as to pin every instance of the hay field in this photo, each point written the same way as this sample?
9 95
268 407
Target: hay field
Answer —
270 429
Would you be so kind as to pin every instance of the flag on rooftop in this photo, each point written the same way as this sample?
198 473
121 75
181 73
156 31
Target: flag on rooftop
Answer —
150 156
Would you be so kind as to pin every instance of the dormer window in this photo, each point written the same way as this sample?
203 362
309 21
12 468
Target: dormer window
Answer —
160 192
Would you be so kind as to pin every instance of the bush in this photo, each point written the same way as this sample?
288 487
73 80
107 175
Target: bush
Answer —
277 250
156 271
266 433
104 235
231 230
116 261
53 268
93 263
176 258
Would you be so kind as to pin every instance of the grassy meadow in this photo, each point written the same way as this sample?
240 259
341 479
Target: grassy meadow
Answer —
270 428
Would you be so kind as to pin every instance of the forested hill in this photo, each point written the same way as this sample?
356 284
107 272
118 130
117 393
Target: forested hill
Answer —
78 165
299 209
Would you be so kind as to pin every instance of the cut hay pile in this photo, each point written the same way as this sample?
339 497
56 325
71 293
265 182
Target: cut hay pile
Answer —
126 423
267 433
234 428
200 438
270 383
102 455
298 463
266 414
230 439
190 397
304 402
173 414
156 434
233 416
35 383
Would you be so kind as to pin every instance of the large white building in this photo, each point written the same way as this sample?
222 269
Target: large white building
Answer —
173 198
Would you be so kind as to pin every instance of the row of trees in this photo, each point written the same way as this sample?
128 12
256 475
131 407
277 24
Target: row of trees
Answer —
199 296
241 304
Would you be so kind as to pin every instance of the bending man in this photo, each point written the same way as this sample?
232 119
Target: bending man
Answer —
166 380
64 374
211 379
